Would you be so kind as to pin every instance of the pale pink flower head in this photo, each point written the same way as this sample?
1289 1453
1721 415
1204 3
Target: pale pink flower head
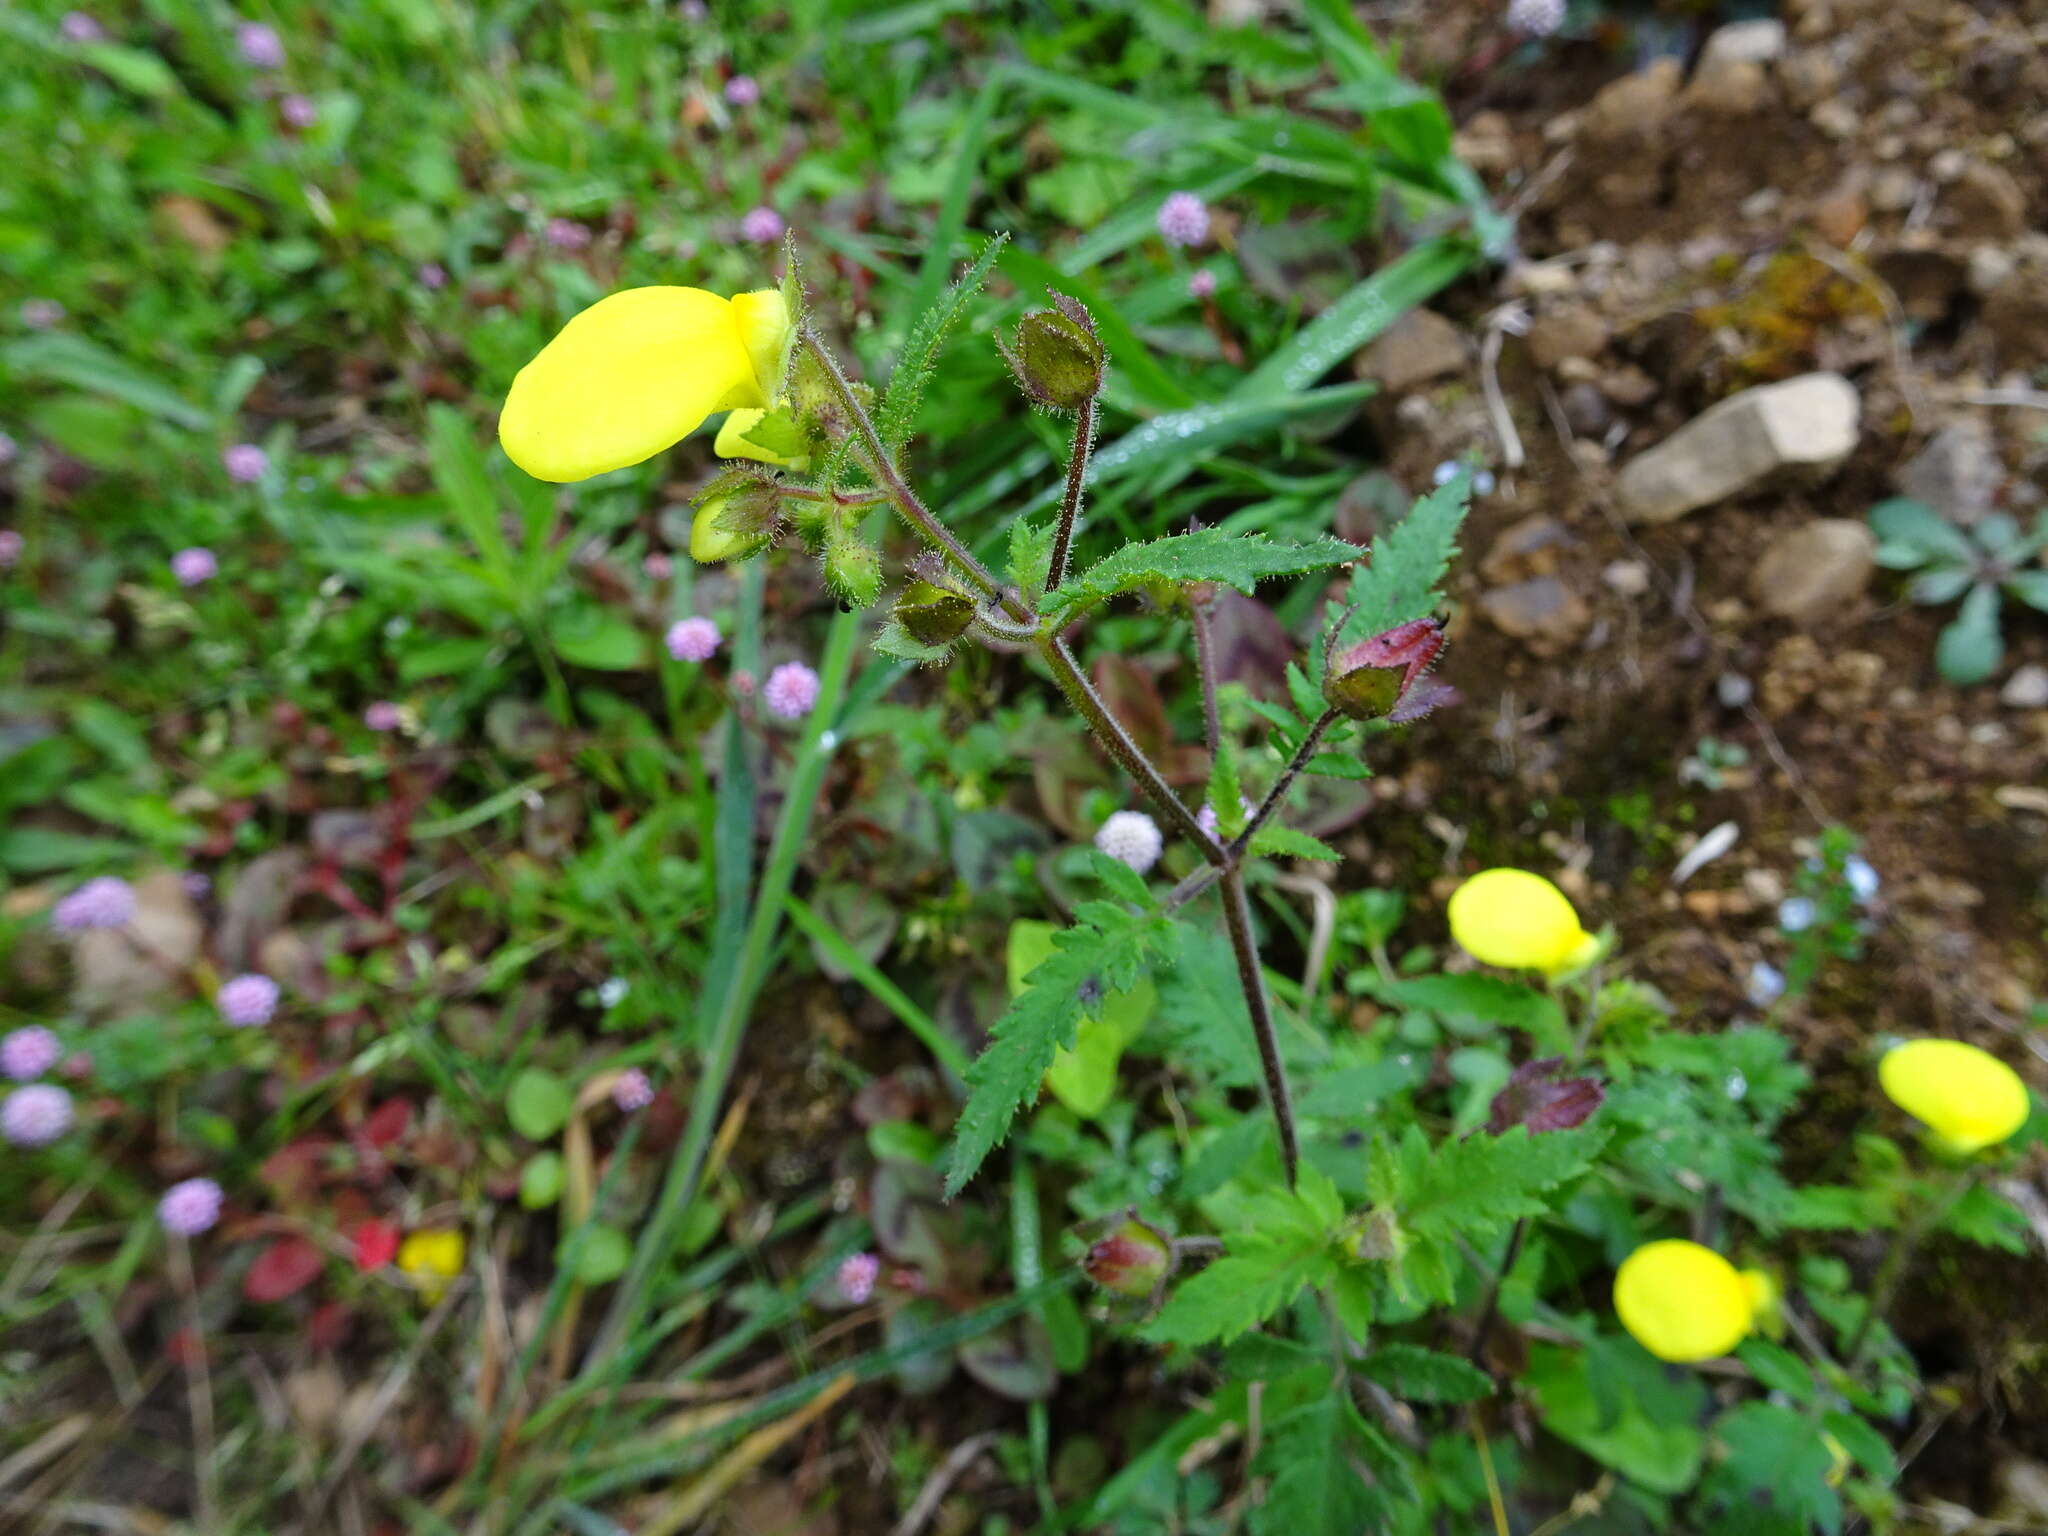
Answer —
632 1091
856 1277
1202 284
695 639
42 314
190 1207
197 885
10 547
692 10
741 682
28 1053
1131 837
743 90
36 1115
432 276
298 111
1207 820
8 449
383 715
248 1000
245 463
259 45
78 27
102 902
657 566
1183 219
194 566
791 690
762 225
566 234
1535 18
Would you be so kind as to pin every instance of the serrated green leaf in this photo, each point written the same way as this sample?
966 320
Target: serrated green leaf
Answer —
1408 565
1239 560
1031 555
1487 999
1105 952
1777 1368
896 417
1776 1461
1335 765
1424 1375
1258 1277
1862 1440
1226 793
892 639
1286 843
1315 1458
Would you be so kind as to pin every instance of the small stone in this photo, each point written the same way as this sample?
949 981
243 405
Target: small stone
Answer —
1541 279
1626 578
1761 204
1958 473
1841 215
1985 203
1633 108
1835 118
1543 611
1419 348
1815 569
2027 688
1806 425
1586 410
1628 386
1487 142
1948 165
1746 42
1736 88
1990 266
1894 189
1529 548
1572 330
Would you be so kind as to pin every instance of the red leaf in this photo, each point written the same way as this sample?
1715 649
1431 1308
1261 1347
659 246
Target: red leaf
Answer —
386 1123
294 1170
286 1267
376 1244
185 1348
328 1325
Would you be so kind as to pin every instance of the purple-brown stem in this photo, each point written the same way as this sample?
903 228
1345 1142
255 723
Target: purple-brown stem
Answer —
1070 503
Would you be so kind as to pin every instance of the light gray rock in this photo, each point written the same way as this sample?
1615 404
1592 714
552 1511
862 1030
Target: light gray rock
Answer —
1803 427
1542 612
1958 473
1743 42
1812 571
1419 348
2027 688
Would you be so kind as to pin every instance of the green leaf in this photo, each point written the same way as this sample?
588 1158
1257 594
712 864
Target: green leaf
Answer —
1239 560
2030 587
1862 1440
1485 999
59 357
538 1104
1777 1368
132 69
541 1180
1408 564
1622 1408
1917 527
1314 1456
1410 1371
896 417
586 635
1202 1015
892 639
1258 1277
1776 1461
1031 554
1335 765
597 1255
1970 647
1083 1078
1286 843
1106 951
1226 793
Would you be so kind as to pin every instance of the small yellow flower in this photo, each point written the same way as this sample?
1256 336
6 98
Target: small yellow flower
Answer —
1519 921
432 1258
1967 1097
1683 1302
639 371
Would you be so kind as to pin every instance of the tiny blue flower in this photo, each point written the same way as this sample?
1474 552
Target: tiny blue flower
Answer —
1863 881
1796 914
613 991
1766 984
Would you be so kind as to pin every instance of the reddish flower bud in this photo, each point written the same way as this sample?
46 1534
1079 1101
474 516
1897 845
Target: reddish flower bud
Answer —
1540 1097
1373 678
1131 1261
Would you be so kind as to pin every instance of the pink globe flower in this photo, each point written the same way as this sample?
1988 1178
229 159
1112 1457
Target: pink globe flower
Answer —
1183 219
259 45
1202 284
657 566
1535 18
36 1115
245 463
247 1001
856 1277
194 566
432 276
692 10
791 690
566 234
382 716
298 111
8 448
42 314
762 225
1206 819
190 1207
104 902
742 90
197 885
78 27
1131 837
10 546
694 639
632 1092
28 1053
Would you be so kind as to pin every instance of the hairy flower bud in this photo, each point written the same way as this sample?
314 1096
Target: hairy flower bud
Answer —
1131 1261
1056 355
1370 680
933 614
852 568
734 519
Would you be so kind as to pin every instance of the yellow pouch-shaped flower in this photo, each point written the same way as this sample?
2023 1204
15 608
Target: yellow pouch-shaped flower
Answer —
1683 1302
1518 921
1967 1097
636 373
432 1258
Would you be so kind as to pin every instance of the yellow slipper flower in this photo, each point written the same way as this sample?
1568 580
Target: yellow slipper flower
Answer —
1519 921
1967 1097
1683 1302
432 1258
639 371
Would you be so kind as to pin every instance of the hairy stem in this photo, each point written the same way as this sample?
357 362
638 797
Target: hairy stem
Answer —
892 484
1205 667
1905 1247
1237 913
1070 503
1281 785
1491 1311
1089 705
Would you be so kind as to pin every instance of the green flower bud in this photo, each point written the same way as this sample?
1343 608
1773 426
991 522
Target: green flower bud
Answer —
934 615
1056 355
733 521
1131 1261
852 569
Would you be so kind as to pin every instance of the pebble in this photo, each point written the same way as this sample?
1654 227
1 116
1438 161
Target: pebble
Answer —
2027 688
1571 330
1543 611
1806 424
1626 578
1814 570
1958 473
1748 42
1893 189
1530 547
1419 348
1835 118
